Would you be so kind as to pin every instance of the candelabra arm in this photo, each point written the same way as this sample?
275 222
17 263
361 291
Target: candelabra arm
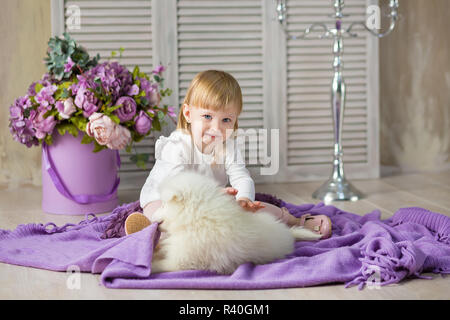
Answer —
327 33
349 32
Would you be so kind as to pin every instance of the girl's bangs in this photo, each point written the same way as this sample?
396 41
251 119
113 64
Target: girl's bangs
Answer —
215 96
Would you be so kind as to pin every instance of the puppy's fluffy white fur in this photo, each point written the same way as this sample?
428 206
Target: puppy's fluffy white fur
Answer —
206 229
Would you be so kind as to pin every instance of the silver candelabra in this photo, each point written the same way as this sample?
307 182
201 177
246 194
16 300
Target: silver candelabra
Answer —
337 187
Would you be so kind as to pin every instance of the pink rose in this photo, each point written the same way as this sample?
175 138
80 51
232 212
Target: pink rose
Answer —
120 138
100 127
107 132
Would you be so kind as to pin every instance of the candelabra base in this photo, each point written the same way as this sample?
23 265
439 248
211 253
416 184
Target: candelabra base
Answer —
337 189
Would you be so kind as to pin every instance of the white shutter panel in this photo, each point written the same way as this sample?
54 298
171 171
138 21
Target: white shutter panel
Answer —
228 36
309 125
108 25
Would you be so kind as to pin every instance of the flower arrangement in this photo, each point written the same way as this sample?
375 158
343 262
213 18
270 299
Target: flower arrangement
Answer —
111 106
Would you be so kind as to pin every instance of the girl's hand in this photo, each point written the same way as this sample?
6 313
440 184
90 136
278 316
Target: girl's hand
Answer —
230 190
249 205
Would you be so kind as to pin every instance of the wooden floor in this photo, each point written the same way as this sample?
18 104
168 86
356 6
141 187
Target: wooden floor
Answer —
430 191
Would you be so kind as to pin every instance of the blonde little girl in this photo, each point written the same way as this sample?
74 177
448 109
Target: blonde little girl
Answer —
204 141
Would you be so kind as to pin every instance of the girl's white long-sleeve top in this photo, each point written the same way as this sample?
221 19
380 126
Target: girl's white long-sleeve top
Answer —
178 152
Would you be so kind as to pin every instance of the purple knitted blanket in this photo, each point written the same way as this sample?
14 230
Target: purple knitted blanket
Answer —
363 250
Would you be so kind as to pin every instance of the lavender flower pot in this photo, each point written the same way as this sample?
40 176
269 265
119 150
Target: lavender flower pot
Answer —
75 180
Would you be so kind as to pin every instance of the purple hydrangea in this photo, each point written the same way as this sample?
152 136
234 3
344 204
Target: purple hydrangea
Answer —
83 83
116 79
46 81
20 126
43 126
45 96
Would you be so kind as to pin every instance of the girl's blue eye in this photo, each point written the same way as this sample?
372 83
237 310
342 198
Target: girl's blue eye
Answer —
226 120
207 117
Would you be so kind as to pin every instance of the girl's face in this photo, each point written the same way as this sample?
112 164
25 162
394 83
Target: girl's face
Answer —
209 127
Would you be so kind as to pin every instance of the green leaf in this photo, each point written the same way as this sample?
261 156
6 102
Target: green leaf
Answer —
155 124
58 94
38 87
166 92
87 139
48 139
140 159
113 108
135 72
67 127
98 147
144 102
143 75
59 50
65 94
49 113
98 90
73 130
65 84
136 137
80 122
141 165
114 118
26 112
61 129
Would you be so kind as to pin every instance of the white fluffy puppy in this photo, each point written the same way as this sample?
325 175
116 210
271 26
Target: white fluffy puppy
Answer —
206 229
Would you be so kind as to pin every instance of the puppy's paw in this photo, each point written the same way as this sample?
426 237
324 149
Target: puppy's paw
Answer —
301 233
157 216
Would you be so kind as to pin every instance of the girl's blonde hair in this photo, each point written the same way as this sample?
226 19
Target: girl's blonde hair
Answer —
211 89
